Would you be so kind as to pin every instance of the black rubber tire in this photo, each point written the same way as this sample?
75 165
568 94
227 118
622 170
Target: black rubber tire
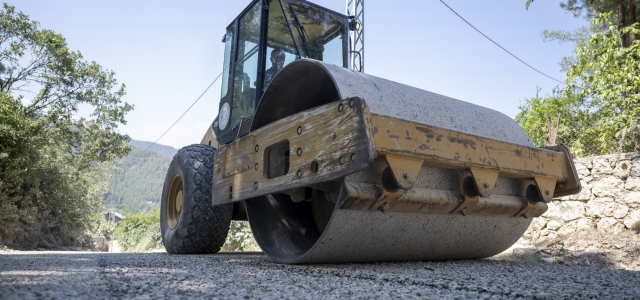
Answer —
201 228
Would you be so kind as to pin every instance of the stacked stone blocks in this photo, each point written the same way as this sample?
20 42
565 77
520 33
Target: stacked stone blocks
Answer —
609 200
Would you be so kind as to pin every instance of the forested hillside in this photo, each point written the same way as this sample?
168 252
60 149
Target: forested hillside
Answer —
138 186
163 150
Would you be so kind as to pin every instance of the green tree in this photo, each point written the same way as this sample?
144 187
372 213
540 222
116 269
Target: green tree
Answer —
578 37
626 12
557 119
52 162
545 119
600 106
18 151
606 77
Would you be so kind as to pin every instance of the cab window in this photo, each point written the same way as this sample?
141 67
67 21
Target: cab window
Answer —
226 72
246 66
281 50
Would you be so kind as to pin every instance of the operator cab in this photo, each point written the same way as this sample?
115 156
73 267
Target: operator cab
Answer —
266 36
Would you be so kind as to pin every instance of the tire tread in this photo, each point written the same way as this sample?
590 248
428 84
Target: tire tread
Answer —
202 228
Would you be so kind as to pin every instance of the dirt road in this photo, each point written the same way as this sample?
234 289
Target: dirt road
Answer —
25 275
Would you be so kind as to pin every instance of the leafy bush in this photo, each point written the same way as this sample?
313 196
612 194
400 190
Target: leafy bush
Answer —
240 238
140 232
102 227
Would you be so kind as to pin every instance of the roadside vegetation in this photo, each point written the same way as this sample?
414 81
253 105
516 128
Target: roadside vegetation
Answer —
240 238
53 160
135 192
140 232
598 110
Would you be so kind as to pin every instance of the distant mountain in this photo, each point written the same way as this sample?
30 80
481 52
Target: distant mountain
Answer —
138 186
163 150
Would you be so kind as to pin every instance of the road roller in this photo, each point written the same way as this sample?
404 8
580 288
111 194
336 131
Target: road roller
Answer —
331 165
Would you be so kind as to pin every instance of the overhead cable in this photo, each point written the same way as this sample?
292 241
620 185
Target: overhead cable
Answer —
476 29
194 103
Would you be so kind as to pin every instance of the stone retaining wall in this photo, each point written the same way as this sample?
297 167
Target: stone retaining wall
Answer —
609 201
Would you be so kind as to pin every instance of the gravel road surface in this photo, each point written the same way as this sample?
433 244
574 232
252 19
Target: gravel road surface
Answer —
25 275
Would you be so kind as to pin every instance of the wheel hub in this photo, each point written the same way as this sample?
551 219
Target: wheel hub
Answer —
174 201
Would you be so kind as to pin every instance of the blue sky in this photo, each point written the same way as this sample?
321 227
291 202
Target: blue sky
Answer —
168 52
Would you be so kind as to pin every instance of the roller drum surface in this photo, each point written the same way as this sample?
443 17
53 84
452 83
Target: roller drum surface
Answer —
289 232
308 83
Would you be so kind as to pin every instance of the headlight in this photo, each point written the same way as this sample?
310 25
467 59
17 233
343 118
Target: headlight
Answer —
223 118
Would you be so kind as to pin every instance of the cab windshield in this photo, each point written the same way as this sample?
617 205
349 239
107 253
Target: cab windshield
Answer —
318 33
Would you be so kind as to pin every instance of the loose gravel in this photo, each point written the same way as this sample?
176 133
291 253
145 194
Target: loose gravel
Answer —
26 275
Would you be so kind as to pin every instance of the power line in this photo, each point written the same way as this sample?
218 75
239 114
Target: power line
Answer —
499 44
194 103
